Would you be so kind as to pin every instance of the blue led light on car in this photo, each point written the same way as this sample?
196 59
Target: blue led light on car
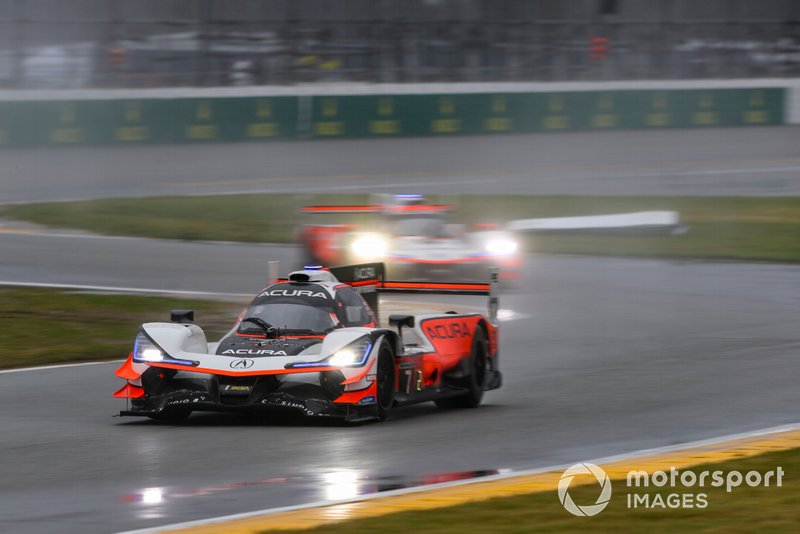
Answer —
307 364
313 267
190 363
366 354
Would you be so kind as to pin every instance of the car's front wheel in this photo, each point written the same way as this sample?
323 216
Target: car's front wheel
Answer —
385 380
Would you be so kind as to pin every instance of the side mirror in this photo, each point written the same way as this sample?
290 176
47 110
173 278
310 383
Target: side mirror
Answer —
401 320
181 316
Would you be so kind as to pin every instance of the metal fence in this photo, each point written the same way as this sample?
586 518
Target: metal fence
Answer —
169 43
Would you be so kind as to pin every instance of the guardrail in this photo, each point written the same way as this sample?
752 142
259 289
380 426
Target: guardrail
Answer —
203 116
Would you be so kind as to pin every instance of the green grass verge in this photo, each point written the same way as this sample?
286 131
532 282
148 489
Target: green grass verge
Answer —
738 228
40 326
745 509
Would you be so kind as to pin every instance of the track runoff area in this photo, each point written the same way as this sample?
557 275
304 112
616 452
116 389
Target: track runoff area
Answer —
666 471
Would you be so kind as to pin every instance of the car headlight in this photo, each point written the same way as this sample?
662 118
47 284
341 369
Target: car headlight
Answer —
145 350
369 246
353 355
501 246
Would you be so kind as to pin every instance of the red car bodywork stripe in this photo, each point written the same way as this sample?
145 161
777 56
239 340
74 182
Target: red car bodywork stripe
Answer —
352 397
359 283
360 375
432 285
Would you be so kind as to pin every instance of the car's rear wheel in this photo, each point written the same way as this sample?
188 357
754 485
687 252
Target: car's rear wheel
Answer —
474 382
385 381
172 415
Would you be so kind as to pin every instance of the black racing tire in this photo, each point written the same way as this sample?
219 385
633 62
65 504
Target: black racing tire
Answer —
385 381
172 416
474 382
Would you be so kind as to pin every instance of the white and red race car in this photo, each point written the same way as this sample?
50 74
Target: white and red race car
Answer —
414 239
311 344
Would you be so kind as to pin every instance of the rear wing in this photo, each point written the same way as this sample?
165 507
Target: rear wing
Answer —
368 280
365 278
437 288
385 204
343 209
389 209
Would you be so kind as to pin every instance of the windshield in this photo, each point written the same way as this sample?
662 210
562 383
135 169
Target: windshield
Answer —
421 226
288 317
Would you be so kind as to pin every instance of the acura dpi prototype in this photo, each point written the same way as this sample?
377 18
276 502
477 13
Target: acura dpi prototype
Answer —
311 345
414 239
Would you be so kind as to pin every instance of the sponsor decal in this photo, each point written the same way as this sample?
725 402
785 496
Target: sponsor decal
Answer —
192 400
235 389
242 364
229 387
295 293
367 401
289 404
254 352
448 331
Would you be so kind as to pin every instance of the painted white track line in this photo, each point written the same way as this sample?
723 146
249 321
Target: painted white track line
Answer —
108 289
113 289
58 366
37 231
501 476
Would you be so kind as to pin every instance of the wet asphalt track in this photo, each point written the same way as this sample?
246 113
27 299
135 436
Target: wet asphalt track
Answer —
607 356
736 161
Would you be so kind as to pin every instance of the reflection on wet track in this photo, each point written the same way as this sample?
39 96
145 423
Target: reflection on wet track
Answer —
334 485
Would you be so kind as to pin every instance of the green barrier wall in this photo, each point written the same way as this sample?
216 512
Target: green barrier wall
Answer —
287 117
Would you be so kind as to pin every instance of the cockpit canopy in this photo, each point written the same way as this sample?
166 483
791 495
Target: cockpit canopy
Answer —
305 308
